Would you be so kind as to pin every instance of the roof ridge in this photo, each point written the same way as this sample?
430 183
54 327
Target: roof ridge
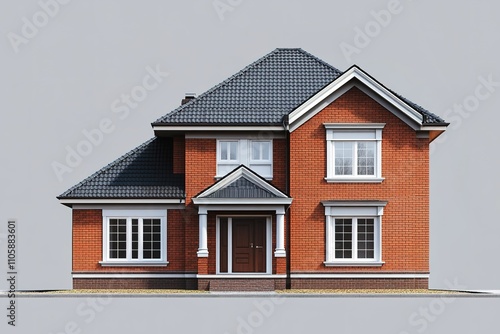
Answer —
107 167
231 78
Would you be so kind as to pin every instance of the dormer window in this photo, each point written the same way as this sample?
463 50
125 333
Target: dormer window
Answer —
255 154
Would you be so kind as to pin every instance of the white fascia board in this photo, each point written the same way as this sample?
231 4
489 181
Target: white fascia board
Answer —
129 206
122 201
242 201
343 80
187 128
354 126
354 203
134 275
433 128
242 172
354 275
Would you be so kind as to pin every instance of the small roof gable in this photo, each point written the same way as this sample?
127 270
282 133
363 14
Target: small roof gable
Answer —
241 183
144 173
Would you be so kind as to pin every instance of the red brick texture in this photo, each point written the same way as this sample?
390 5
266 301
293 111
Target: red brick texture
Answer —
405 223
360 283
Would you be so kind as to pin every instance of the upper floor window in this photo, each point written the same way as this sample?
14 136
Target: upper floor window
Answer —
255 154
354 152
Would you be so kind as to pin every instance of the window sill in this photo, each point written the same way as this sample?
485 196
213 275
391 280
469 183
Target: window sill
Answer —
354 264
354 180
132 264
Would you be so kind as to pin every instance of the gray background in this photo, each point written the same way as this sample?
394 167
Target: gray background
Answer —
64 79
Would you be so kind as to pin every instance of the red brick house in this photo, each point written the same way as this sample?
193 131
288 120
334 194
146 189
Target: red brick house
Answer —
290 173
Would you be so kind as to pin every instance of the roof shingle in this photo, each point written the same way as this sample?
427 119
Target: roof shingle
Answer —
145 172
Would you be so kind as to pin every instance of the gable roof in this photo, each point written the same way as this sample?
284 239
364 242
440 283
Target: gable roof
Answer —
242 184
144 173
266 91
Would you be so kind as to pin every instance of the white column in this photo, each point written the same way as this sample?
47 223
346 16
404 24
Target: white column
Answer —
280 235
202 248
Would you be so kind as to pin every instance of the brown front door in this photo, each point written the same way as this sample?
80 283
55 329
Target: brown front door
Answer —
249 245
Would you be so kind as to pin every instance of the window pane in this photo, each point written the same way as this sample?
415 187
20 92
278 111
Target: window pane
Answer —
117 238
343 158
223 150
366 160
151 247
233 150
343 238
256 150
366 238
266 148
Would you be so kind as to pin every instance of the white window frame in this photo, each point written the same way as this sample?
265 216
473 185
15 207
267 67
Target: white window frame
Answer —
336 211
129 215
269 244
349 133
244 156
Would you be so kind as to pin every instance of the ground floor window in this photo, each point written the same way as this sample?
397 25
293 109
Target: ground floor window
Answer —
353 233
134 236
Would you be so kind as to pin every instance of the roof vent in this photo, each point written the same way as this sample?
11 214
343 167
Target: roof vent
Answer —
188 97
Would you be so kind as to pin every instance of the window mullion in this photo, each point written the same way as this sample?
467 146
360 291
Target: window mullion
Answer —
140 239
128 227
354 238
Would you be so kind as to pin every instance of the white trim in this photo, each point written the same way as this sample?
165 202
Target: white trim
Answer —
354 264
203 209
354 275
123 201
259 135
133 264
354 180
161 128
356 126
340 85
134 275
354 203
242 201
129 207
256 275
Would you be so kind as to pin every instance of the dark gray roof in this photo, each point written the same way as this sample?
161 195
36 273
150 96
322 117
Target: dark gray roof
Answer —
264 92
261 93
242 188
145 172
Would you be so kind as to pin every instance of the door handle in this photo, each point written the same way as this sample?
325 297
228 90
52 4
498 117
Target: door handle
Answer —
251 245
259 247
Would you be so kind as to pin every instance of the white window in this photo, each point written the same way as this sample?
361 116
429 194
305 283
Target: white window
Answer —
134 237
354 152
353 233
255 154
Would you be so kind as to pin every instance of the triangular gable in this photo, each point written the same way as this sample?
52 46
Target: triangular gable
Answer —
242 186
356 77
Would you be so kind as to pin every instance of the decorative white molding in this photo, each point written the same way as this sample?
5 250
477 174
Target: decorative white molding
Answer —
257 275
354 179
111 275
354 264
354 275
133 264
354 77
354 126
122 201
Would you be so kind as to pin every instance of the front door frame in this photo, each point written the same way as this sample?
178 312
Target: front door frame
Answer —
269 244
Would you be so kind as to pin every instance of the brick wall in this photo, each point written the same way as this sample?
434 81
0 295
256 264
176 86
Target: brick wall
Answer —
87 244
405 223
